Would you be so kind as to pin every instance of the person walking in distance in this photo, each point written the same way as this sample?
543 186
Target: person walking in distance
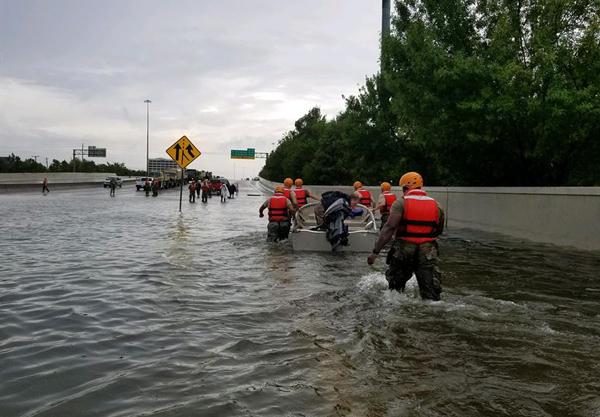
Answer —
45 186
416 220
113 186
223 191
205 190
198 187
192 189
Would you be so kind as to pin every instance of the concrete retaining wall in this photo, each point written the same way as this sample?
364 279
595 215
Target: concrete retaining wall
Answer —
566 216
12 182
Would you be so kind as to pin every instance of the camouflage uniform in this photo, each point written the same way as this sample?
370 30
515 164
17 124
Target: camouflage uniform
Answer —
278 231
406 258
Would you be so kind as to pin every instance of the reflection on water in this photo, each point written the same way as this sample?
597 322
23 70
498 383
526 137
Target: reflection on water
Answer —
121 307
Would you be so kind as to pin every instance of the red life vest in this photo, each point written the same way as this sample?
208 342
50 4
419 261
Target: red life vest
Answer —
389 200
278 209
301 196
287 193
420 218
365 197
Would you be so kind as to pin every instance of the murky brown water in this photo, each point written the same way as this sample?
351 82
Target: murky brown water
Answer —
122 307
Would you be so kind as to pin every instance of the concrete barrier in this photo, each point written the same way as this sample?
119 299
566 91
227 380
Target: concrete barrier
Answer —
27 181
566 216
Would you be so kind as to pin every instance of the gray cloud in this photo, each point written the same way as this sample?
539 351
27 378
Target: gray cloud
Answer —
228 73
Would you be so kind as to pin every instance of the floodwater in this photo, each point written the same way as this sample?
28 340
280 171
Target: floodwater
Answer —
123 307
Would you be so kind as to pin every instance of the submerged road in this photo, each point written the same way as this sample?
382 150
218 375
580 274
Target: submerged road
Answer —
124 307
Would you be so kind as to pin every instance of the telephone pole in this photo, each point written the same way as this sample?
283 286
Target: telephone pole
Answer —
385 28
147 136
385 18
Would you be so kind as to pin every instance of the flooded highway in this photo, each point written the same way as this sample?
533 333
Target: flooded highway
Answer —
123 307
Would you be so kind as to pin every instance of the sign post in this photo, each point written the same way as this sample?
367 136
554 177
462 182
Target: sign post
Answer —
183 152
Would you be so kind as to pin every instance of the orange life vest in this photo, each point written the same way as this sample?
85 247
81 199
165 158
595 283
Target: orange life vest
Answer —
389 200
420 218
278 210
301 196
365 197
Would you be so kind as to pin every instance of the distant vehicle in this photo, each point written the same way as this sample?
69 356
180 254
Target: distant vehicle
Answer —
255 179
139 182
118 180
215 185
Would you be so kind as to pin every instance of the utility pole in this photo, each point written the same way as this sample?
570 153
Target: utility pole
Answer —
385 18
385 25
147 136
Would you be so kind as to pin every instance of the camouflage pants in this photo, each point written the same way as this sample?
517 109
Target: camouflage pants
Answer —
278 231
406 258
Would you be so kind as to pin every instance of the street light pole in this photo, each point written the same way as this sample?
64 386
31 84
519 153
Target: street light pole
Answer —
147 136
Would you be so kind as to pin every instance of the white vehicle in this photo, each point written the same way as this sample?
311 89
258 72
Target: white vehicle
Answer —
139 182
362 232
107 181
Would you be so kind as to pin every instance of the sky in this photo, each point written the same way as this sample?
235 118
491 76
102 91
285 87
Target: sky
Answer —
229 74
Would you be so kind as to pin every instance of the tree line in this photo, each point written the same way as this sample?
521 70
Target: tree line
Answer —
470 93
14 163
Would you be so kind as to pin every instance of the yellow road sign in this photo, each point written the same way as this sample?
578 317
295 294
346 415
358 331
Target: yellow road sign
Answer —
183 152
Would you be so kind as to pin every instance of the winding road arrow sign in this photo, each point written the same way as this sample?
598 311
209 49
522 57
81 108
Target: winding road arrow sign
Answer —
183 152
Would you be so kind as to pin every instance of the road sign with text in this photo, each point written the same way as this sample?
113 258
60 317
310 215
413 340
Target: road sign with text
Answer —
249 153
183 152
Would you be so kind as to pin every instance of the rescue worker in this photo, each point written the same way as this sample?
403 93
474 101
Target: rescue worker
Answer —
205 191
417 220
385 201
198 187
303 194
288 192
192 189
280 212
363 194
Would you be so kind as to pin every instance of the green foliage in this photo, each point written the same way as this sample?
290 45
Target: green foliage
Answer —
472 92
14 163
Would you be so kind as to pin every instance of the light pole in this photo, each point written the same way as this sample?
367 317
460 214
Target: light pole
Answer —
147 136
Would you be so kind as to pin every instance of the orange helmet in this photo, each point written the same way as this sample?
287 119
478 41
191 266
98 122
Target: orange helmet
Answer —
299 182
386 186
357 185
279 189
288 182
411 180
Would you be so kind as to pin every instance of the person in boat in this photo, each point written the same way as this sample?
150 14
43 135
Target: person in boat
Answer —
355 211
303 194
385 201
330 214
280 213
416 220
288 192
363 194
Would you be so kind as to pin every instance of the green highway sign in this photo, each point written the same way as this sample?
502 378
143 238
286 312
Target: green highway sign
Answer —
249 153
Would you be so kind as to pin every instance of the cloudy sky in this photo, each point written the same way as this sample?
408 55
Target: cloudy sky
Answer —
228 73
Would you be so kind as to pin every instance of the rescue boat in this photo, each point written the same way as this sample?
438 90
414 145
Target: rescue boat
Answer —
306 236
